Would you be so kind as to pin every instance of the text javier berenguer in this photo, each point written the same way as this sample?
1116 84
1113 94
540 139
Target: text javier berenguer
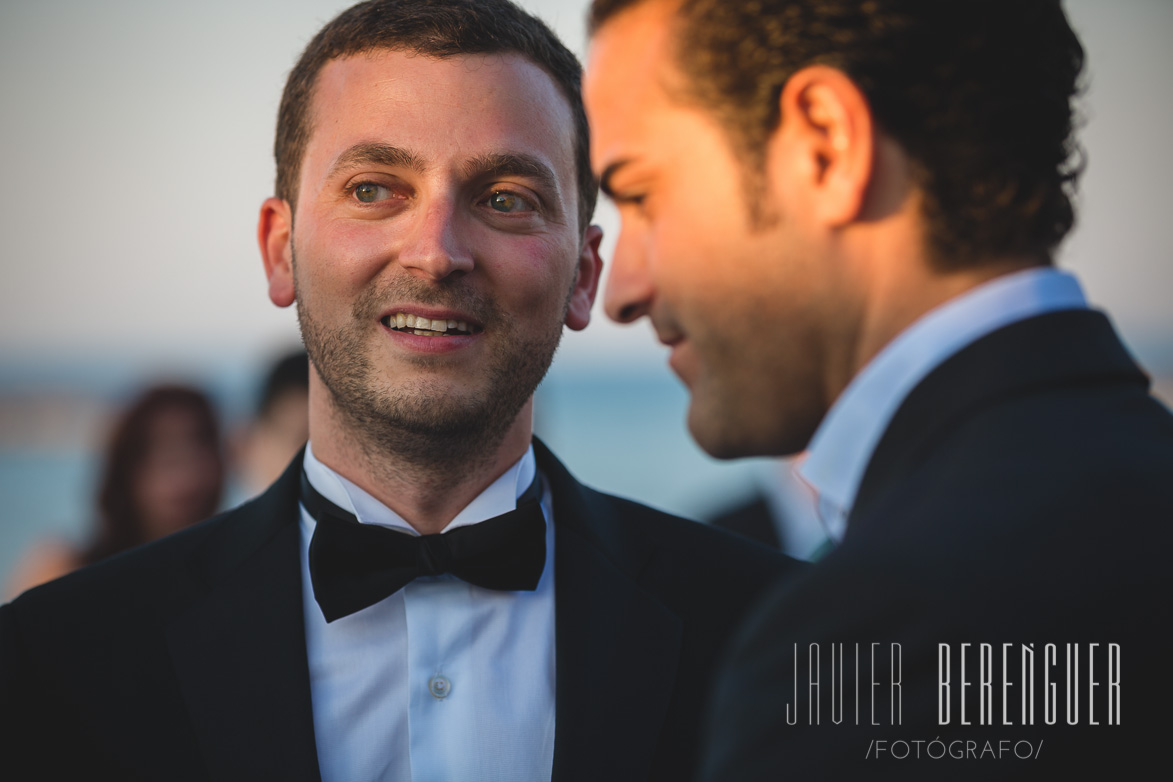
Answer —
977 684
1070 683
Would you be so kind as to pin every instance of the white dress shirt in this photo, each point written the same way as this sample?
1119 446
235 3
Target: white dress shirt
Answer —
791 503
442 681
845 440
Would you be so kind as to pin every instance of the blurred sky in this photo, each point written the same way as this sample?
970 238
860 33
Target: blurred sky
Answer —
135 142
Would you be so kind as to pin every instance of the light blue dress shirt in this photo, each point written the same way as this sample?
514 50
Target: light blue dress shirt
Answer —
441 681
791 503
848 435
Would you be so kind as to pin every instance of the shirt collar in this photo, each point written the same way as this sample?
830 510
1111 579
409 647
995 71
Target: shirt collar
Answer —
843 444
500 497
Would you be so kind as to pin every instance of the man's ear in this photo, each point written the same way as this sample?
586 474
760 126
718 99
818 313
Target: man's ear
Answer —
586 286
824 145
275 236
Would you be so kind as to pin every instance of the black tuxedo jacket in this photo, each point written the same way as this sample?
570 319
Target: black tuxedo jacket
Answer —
752 518
1022 494
186 659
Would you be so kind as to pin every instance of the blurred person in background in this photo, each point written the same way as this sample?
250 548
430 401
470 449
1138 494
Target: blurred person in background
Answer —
279 427
162 470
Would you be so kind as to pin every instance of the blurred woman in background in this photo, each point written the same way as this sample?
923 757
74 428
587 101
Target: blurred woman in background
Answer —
163 470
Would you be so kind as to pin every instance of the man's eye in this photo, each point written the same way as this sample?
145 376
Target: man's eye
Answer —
369 192
633 199
509 203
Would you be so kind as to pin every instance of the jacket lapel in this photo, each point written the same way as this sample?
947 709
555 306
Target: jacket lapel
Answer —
617 645
239 648
1058 349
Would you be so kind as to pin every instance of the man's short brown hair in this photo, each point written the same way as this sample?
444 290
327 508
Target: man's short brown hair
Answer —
433 28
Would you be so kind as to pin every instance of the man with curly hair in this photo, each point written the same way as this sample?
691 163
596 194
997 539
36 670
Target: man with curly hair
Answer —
841 216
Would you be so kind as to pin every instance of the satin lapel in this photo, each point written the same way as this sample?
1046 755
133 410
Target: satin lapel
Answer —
239 650
617 645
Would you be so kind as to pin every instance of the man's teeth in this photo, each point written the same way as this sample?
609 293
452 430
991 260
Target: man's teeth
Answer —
426 327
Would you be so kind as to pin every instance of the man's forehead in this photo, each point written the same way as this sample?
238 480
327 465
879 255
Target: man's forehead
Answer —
632 58
501 76
432 99
631 74
641 35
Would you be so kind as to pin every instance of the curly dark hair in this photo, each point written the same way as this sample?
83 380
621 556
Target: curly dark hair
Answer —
978 93
435 28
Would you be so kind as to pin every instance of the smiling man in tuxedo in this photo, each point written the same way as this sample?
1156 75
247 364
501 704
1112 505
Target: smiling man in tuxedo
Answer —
426 593
841 216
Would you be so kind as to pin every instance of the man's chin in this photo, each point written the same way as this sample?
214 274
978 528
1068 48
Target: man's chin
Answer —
727 432
716 437
431 409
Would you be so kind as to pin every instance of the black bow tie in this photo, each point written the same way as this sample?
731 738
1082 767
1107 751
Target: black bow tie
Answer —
355 565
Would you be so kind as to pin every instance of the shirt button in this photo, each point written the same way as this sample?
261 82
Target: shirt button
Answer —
439 686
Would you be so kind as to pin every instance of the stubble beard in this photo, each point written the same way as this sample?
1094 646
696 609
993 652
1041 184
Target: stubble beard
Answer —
426 424
761 396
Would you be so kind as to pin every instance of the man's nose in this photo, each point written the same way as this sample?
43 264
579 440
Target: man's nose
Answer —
629 287
435 247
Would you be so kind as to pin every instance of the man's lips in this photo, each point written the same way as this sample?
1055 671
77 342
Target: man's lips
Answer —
671 340
667 335
430 322
676 341
681 360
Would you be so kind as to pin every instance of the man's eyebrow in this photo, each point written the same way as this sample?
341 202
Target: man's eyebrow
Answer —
379 155
505 164
609 174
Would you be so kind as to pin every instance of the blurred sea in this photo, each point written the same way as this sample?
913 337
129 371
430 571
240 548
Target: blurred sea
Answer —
620 430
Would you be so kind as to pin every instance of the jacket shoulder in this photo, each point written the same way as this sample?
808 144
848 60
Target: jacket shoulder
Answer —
150 580
695 561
